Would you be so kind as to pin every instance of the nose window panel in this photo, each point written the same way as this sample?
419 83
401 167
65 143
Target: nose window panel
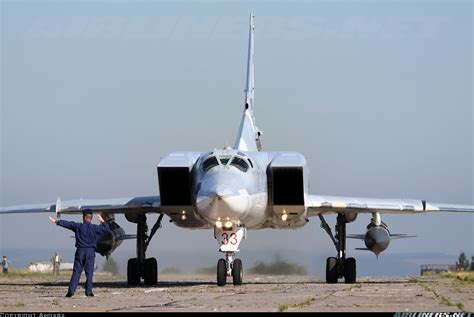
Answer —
239 163
251 164
209 163
224 159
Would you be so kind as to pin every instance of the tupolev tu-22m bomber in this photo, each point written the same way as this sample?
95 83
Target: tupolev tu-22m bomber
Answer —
236 189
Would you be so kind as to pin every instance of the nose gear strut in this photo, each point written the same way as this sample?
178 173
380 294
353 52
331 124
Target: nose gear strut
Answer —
229 241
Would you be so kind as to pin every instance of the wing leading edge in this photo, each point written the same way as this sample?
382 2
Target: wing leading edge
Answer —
317 205
116 205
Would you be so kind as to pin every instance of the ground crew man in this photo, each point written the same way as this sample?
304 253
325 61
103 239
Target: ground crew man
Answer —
87 235
56 260
5 263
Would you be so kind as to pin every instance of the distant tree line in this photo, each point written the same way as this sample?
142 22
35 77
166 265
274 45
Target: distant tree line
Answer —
463 264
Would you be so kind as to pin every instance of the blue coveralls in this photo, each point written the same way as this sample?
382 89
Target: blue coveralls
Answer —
87 235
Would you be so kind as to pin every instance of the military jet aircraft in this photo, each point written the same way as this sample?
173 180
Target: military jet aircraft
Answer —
235 189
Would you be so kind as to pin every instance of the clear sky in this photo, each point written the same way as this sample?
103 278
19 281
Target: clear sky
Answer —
377 96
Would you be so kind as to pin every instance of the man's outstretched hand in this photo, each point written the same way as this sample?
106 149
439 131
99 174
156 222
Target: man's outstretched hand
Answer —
99 217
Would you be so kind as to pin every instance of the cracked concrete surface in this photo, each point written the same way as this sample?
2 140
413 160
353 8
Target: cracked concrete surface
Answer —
259 293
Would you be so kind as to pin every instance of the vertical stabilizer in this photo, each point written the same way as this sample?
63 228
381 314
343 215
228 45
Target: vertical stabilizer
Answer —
249 86
248 137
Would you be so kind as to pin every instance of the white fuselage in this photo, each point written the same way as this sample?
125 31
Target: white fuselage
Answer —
228 193
225 191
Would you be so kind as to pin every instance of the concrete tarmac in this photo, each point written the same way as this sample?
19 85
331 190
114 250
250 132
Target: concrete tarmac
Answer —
45 293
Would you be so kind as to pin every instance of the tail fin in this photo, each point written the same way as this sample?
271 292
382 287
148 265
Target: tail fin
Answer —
248 137
250 84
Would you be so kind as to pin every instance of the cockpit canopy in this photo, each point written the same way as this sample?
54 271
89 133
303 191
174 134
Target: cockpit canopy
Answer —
240 163
209 163
238 160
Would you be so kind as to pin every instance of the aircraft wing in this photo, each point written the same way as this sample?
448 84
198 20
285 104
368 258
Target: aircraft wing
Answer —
116 205
317 205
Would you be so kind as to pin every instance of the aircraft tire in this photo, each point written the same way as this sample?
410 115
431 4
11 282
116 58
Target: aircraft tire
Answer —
237 272
331 270
151 271
133 278
350 270
221 272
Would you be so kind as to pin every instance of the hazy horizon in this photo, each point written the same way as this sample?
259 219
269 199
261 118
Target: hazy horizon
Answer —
388 264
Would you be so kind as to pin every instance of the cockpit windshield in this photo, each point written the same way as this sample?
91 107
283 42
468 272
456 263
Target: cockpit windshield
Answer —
226 160
240 163
209 163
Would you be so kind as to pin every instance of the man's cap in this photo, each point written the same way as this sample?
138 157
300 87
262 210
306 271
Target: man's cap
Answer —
87 212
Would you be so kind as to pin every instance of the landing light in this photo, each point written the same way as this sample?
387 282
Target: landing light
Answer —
183 217
228 224
219 224
284 217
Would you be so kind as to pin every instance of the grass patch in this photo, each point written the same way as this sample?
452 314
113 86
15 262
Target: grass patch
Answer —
467 277
172 270
111 266
309 301
207 270
285 307
15 273
443 299
278 267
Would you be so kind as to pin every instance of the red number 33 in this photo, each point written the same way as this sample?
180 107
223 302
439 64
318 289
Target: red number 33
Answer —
233 239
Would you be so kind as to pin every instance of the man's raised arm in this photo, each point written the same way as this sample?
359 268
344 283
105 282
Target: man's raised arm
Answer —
104 226
65 224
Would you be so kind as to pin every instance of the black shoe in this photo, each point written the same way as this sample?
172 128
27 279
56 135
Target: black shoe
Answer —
90 295
69 294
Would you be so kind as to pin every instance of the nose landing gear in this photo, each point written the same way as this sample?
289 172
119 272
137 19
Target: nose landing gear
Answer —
229 241
229 267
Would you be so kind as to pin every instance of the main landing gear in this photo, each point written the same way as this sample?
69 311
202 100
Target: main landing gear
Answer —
141 267
229 241
340 266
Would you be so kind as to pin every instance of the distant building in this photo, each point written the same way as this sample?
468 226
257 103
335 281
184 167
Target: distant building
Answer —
472 264
47 267
427 269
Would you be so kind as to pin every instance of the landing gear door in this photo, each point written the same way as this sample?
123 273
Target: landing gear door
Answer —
229 239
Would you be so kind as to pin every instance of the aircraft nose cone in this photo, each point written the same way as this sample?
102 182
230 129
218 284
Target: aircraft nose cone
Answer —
217 192
222 192
222 202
